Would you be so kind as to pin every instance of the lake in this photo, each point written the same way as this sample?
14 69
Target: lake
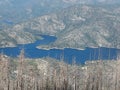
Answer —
68 54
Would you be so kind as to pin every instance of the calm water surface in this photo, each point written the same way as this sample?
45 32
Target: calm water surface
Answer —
68 54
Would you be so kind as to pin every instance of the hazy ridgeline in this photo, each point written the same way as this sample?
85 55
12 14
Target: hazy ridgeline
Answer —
24 74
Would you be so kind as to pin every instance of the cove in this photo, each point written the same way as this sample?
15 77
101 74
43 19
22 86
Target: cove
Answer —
68 54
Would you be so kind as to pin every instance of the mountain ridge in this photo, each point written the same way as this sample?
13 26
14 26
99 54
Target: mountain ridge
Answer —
77 26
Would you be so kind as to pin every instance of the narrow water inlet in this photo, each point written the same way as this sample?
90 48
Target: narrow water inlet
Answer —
68 54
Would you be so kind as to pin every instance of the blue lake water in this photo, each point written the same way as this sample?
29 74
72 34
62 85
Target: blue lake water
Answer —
8 22
68 54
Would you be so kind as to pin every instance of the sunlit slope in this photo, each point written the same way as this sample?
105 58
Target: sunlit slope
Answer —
77 26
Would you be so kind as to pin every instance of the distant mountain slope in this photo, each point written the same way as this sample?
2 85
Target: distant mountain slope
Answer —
89 26
19 10
11 39
77 27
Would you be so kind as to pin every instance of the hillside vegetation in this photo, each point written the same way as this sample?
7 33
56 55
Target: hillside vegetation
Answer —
76 27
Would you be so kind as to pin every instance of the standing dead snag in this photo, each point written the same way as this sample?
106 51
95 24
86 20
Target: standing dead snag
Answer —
20 68
117 74
4 72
